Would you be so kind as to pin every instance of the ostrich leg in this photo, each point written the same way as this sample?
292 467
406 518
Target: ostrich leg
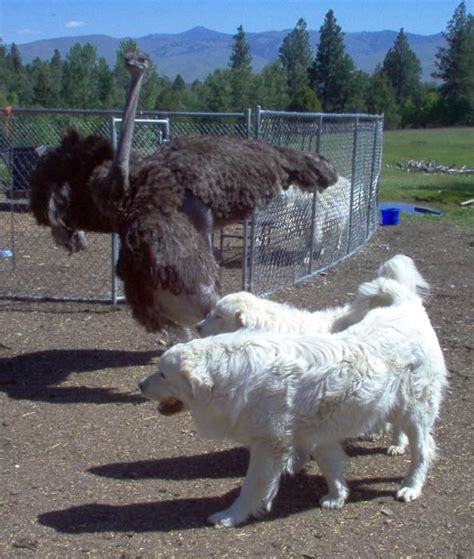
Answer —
117 181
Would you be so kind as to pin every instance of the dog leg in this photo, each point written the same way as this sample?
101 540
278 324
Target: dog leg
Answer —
331 459
258 490
422 448
399 441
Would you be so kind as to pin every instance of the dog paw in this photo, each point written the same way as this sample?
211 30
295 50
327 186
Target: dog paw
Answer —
394 450
408 494
330 502
226 518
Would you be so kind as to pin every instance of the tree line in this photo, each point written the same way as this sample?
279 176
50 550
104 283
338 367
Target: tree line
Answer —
297 81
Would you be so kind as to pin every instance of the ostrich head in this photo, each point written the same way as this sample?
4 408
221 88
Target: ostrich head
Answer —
60 196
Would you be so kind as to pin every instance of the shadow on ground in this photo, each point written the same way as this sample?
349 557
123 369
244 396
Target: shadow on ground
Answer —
36 376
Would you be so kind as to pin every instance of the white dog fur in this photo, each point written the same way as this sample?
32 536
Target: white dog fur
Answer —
285 397
245 310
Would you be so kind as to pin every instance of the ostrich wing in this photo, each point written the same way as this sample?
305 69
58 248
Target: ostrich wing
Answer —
232 176
168 272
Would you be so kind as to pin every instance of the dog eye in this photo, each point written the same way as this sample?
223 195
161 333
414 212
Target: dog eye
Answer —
162 375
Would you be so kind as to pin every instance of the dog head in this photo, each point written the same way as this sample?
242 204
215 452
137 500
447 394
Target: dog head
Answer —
182 379
231 313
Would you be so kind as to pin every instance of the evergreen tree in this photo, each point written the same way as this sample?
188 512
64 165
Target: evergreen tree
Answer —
403 69
242 83
295 56
240 58
332 71
14 58
455 64
178 84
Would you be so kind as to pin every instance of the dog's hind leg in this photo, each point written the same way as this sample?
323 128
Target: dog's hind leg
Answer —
258 490
331 460
422 448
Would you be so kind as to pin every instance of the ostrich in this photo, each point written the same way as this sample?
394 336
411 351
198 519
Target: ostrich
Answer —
163 207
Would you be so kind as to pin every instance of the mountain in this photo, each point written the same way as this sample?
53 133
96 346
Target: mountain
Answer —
197 52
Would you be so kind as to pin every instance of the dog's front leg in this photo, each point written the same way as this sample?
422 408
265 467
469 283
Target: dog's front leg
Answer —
258 490
331 460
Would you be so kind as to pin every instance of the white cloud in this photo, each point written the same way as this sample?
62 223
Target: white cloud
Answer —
71 24
24 31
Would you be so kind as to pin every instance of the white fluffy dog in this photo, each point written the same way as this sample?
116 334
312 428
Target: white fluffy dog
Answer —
245 310
286 397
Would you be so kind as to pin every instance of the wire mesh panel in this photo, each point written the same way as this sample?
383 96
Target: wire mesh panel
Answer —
31 266
300 234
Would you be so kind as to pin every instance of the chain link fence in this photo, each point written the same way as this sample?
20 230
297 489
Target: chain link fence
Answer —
300 234
295 236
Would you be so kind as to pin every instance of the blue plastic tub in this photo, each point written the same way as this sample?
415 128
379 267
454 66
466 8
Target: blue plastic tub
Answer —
390 216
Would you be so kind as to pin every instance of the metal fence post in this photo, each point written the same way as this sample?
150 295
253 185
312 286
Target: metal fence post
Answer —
314 202
373 169
353 180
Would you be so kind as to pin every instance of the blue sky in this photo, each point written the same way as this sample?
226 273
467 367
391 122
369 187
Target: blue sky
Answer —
22 21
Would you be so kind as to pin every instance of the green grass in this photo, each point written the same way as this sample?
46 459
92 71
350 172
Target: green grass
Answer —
446 146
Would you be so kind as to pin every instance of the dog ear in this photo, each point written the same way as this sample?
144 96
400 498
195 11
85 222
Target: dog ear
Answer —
200 382
243 319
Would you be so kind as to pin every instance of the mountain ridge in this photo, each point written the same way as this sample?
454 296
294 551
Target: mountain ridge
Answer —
195 53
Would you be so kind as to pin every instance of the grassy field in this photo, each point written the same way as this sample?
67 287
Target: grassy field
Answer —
446 146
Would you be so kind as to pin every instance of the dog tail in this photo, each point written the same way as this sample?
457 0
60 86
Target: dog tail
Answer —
384 292
402 269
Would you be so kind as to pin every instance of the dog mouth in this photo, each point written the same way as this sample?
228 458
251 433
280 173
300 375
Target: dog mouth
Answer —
170 406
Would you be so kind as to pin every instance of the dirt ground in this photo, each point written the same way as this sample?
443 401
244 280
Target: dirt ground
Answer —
89 468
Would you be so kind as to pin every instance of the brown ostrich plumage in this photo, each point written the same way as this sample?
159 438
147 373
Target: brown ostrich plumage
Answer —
165 261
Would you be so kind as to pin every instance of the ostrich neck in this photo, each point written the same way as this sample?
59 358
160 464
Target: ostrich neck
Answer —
122 156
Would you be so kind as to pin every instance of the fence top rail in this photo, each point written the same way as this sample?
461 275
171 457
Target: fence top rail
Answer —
324 116
117 112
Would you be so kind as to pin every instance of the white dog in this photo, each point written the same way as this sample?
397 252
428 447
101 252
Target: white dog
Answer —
245 310
286 397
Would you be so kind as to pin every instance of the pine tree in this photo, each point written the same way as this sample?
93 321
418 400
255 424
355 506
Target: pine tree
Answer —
242 86
240 58
403 69
295 55
332 70
455 64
